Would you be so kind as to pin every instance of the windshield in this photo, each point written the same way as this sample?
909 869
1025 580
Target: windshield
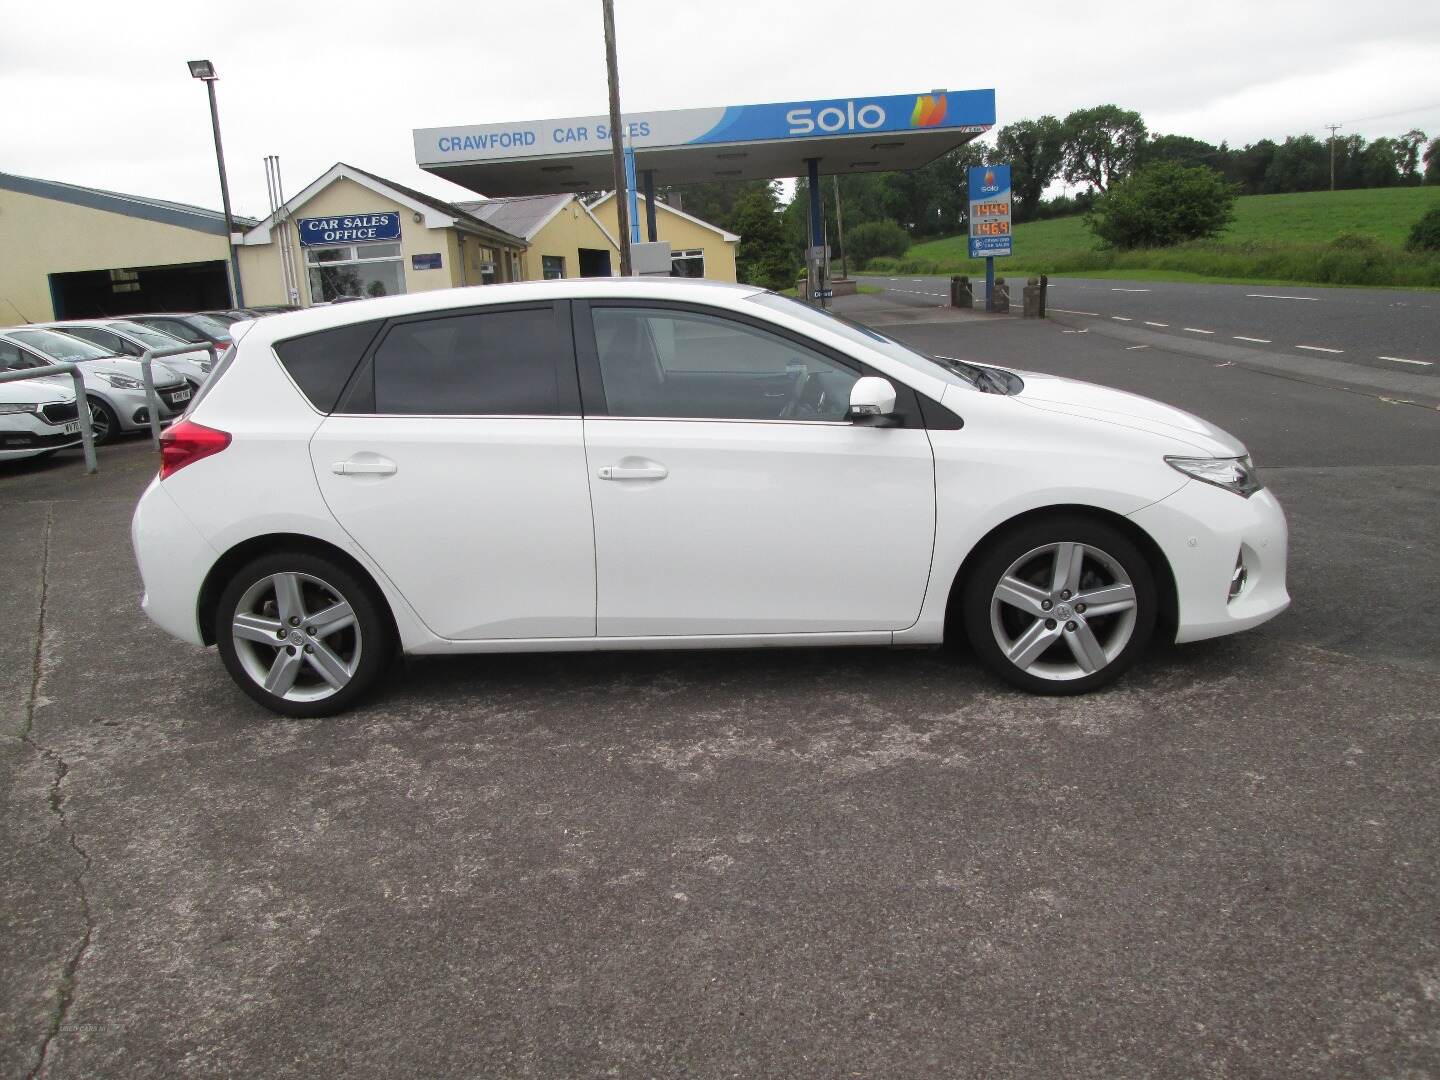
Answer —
948 369
59 346
156 339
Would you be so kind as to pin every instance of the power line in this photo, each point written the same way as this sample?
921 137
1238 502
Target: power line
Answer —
1386 116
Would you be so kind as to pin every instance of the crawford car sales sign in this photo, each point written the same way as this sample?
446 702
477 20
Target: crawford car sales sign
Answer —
348 228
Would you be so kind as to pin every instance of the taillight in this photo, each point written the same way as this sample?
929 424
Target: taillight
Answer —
187 441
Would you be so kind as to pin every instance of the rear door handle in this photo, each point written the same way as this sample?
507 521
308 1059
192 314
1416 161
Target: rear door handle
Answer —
632 472
363 468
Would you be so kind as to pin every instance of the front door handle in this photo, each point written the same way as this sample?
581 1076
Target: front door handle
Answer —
363 468
653 471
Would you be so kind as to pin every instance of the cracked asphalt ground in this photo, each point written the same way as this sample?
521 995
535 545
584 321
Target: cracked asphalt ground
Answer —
812 863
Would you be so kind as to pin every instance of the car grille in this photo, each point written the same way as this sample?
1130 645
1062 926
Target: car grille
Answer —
60 412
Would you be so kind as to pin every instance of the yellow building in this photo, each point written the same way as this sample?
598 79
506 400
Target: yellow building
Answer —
352 233
697 248
68 251
564 238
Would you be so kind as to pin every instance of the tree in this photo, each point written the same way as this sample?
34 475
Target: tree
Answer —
1425 233
1101 144
1407 155
1300 163
764 256
1182 150
873 238
1163 204
1380 169
1035 150
1432 162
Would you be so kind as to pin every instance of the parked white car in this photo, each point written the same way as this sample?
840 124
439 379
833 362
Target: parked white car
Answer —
120 337
643 464
114 386
37 418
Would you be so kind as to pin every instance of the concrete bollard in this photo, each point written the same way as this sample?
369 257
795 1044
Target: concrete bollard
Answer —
1001 306
1030 308
961 294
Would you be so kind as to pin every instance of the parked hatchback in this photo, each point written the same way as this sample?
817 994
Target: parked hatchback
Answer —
121 337
642 464
114 386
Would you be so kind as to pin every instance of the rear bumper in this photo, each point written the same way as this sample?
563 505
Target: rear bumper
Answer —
174 559
1202 530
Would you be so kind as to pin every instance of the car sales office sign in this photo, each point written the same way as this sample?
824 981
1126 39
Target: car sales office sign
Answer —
348 228
989 211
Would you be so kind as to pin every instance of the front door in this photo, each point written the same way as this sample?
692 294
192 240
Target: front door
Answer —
457 461
731 495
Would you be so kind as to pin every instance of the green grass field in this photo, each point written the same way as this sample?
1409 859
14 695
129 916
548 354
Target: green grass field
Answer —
1308 238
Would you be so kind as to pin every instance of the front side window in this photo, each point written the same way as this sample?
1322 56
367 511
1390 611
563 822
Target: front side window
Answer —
14 358
686 365
354 271
494 363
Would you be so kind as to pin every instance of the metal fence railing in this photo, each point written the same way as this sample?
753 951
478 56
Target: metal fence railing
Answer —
82 404
147 359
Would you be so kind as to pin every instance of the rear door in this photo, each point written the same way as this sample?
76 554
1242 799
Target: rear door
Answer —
456 459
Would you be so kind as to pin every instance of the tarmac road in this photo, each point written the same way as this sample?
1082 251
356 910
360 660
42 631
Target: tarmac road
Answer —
813 863
1383 329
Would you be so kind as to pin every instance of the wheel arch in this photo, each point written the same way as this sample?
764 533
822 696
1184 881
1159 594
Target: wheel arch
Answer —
237 556
1167 618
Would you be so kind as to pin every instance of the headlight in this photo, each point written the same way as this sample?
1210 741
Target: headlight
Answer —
1235 474
10 408
123 382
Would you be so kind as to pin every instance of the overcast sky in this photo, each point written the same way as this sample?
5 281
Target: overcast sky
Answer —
97 92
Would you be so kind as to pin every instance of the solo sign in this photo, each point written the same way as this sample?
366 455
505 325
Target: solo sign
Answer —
989 211
348 229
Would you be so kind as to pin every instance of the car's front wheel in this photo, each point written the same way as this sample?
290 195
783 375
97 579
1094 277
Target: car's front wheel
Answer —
302 634
104 424
1060 607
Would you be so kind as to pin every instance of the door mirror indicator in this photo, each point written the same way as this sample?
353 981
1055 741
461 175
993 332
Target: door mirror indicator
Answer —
870 397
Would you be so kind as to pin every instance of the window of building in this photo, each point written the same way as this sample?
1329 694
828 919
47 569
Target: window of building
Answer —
552 266
685 365
494 363
487 266
689 263
355 270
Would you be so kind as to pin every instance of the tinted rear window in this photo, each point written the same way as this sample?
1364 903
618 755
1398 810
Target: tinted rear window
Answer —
321 363
495 363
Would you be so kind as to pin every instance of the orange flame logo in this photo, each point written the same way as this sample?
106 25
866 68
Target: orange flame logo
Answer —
929 110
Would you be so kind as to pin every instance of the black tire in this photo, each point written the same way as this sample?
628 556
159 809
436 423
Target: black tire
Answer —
106 424
376 638
1105 547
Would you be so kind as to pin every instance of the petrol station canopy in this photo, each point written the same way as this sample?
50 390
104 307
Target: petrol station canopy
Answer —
687 146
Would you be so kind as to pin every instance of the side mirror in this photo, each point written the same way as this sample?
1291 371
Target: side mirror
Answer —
871 397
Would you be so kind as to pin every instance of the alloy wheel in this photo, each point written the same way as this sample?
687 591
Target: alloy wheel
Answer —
1063 611
296 636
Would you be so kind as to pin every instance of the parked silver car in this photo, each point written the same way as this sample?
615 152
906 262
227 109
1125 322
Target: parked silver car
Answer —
114 386
121 337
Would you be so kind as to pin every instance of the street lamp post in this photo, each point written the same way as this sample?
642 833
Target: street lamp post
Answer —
205 71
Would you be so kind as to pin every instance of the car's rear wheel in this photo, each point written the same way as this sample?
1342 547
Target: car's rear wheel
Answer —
302 634
1062 606
104 424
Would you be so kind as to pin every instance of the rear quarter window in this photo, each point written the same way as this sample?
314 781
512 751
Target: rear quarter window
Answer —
322 363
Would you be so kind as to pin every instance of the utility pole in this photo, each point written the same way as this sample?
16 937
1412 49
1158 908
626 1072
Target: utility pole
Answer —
1332 128
617 144
205 71
840 231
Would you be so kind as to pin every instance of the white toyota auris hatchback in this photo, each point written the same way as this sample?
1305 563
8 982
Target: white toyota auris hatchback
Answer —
648 464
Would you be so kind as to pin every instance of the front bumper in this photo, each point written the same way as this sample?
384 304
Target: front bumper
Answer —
1202 530
26 434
